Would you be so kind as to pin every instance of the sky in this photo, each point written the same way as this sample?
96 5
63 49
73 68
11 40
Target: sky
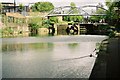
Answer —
58 3
55 0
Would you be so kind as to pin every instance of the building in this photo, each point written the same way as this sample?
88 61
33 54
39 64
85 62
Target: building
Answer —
12 7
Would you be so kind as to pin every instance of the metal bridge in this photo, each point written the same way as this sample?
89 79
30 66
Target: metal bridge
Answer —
75 15
74 11
89 28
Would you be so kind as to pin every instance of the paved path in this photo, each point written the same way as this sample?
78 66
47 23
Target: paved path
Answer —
107 66
113 58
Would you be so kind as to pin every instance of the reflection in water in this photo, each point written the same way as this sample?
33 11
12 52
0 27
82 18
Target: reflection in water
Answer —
24 47
73 45
13 47
47 60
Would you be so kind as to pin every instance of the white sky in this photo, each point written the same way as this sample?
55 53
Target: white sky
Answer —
58 2
54 0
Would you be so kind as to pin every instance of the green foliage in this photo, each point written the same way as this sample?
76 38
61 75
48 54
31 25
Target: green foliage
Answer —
72 4
72 45
0 33
33 29
21 7
73 8
42 6
106 29
100 11
7 31
33 25
66 18
46 23
108 3
73 18
113 15
36 20
53 19
98 18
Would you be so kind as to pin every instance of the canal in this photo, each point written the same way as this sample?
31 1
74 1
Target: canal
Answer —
49 57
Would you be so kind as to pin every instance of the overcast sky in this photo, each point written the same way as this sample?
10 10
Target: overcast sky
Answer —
54 0
59 2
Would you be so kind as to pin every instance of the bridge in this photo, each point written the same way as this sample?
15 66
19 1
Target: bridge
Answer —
74 11
60 12
74 15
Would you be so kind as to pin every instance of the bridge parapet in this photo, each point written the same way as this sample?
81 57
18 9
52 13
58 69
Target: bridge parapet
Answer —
66 10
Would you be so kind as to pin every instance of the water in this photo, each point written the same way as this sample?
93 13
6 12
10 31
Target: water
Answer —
49 57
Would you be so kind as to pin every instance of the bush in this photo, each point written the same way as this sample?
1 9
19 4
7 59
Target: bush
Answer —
53 19
73 18
7 31
35 20
33 25
46 23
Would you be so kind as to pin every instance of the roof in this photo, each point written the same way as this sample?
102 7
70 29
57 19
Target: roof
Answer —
16 15
7 3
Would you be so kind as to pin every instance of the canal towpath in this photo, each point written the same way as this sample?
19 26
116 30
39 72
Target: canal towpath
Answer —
106 65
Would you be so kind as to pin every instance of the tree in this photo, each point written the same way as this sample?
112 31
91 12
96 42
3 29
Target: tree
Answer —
21 7
100 5
99 10
46 23
73 18
72 4
98 18
113 17
33 28
53 19
73 8
42 6
108 3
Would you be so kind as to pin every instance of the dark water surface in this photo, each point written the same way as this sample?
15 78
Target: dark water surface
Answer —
49 57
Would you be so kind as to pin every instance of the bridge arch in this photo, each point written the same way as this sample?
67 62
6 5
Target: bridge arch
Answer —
66 10
94 6
61 10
